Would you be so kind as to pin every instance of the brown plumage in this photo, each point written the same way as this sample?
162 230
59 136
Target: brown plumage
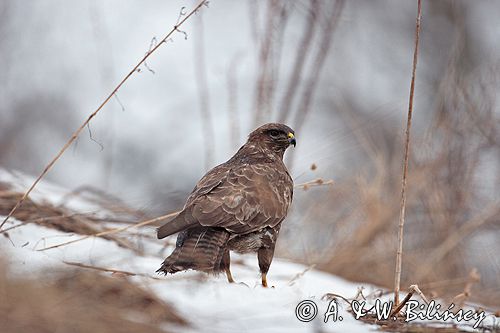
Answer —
238 205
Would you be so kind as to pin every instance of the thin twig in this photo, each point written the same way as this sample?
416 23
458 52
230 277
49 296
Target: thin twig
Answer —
413 289
399 255
400 305
419 292
113 231
300 274
315 182
360 293
92 115
330 296
102 269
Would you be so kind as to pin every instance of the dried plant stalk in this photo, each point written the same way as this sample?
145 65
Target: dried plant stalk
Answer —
399 255
113 231
93 114
303 49
312 81
117 272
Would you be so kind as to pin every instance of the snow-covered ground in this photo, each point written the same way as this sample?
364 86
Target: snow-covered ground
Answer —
209 303
203 300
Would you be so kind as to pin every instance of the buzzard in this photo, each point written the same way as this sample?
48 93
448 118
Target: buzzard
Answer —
238 206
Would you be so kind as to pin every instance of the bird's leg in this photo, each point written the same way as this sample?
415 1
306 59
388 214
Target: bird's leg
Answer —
264 280
224 265
229 276
265 256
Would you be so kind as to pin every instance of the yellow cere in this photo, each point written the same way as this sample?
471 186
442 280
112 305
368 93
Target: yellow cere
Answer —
290 135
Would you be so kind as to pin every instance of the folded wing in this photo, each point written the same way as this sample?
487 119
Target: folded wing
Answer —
240 199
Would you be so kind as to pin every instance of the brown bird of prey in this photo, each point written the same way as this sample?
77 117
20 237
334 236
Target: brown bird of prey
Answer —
238 206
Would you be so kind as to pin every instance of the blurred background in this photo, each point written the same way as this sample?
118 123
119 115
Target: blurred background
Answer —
338 72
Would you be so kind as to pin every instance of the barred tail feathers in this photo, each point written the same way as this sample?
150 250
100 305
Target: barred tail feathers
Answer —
200 248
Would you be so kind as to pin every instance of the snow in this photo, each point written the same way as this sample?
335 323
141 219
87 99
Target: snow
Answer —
209 303
202 299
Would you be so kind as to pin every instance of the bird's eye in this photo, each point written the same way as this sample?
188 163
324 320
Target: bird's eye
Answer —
274 133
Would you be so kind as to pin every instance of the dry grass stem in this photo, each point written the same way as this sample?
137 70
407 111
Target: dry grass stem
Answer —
300 274
399 255
116 272
460 299
93 114
414 289
113 231
312 183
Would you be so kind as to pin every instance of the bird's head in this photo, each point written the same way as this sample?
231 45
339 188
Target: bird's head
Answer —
274 136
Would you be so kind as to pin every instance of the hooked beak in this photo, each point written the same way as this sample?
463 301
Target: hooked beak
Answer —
291 139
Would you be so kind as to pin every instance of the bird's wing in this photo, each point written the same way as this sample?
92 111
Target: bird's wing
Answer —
184 219
209 182
244 198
